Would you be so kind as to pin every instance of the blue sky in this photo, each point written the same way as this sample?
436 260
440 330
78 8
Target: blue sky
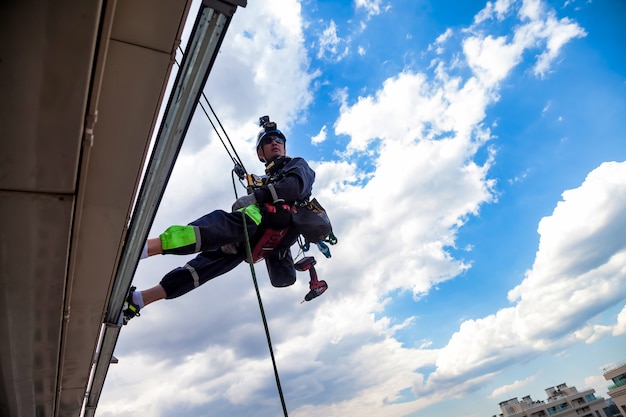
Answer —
473 161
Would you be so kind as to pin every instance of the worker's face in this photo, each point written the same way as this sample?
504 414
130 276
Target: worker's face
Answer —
271 148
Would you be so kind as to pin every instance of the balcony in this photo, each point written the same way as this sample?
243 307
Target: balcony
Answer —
616 385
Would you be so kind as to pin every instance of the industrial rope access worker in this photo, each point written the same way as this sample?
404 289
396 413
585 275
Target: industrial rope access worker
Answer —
218 237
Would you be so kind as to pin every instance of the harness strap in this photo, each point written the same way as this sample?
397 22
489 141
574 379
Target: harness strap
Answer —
194 275
274 194
268 242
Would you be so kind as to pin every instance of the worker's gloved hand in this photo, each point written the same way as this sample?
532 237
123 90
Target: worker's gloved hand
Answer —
245 201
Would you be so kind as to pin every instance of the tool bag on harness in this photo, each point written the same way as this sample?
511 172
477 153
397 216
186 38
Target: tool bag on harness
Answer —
311 221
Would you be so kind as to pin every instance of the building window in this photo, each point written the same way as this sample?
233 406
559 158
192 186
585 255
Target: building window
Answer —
562 406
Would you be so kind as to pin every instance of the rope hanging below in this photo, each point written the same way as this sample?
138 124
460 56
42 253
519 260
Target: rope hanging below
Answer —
267 330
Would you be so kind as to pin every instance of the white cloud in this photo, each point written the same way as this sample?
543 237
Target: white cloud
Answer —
532 9
440 41
515 386
320 137
265 66
492 58
558 33
410 107
371 6
518 178
593 332
565 249
497 9
598 383
331 44
620 326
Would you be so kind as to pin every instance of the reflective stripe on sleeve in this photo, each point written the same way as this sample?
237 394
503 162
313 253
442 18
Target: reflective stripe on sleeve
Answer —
194 275
196 230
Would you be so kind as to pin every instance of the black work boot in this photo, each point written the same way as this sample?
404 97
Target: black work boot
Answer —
130 309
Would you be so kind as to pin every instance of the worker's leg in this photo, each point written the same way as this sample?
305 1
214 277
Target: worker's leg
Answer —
280 263
204 267
280 268
154 246
209 232
153 294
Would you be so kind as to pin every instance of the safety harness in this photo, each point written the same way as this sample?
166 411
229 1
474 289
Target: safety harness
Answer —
277 222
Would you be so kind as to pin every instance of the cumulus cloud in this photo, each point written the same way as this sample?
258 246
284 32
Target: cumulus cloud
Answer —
331 44
492 58
256 57
593 332
598 383
620 326
373 7
437 46
320 137
498 9
515 386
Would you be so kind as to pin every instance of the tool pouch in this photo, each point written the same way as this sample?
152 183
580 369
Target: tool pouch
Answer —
311 221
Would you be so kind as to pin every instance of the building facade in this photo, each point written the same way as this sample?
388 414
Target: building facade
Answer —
617 390
562 401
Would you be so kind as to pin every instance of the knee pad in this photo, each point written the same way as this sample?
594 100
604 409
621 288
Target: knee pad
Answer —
180 240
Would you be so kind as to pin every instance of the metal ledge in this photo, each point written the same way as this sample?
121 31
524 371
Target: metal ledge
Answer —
207 35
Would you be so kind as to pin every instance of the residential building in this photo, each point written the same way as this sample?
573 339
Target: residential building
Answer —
617 391
611 409
562 401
